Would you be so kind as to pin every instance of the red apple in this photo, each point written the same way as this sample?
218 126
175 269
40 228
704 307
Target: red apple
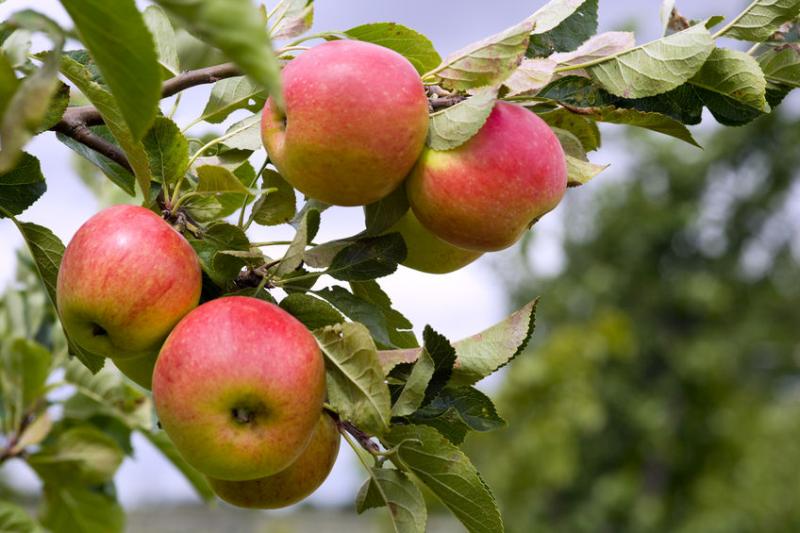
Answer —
295 482
427 252
238 387
356 119
484 194
126 278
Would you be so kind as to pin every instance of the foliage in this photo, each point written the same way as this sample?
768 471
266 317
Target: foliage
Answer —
405 408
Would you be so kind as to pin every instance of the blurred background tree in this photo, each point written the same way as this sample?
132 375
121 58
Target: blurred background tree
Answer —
661 391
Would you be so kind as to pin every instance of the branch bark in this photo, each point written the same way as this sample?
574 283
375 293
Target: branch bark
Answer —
76 121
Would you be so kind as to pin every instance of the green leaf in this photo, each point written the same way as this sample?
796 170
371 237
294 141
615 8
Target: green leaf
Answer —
292 18
238 29
312 312
356 388
732 86
487 62
381 215
81 455
400 328
123 49
598 47
164 36
580 172
448 473
579 125
569 33
219 237
443 356
453 126
17 46
359 310
81 75
245 134
531 76
55 110
656 67
198 481
21 186
14 519
69 509
231 94
394 490
782 66
214 180
409 43
306 232
641 119
368 258
24 367
167 150
277 206
8 83
413 392
119 175
456 410
760 20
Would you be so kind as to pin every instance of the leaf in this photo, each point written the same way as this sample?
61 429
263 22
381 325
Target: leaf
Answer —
55 109
359 310
117 174
14 519
277 206
21 186
460 409
400 328
732 86
760 20
413 392
656 67
215 180
409 43
443 356
530 76
381 215
24 366
485 63
81 455
356 389
198 481
47 250
81 75
581 172
368 258
641 119
123 49
394 490
599 46
294 17
167 150
217 238
312 312
453 126
448 473
782 66
238 29
35 433
8 83
306 232
231 94
581 126
80 510
164 36
245 134
562 26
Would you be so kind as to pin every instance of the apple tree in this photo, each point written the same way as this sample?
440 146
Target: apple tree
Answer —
481 144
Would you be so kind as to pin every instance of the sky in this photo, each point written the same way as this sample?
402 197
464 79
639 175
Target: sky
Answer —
457 304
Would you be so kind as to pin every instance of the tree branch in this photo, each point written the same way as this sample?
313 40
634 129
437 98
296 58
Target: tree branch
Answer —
76 120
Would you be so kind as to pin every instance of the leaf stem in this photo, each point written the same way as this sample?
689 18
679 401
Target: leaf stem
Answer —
252 184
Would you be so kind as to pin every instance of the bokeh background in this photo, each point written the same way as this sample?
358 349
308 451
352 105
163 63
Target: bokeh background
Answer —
661 391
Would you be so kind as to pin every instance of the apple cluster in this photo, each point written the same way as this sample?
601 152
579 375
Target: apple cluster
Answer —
354 129
238 383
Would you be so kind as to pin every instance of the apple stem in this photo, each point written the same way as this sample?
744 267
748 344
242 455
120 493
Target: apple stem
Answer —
363 439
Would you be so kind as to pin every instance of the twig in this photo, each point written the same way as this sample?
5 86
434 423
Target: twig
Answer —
78 130
446 101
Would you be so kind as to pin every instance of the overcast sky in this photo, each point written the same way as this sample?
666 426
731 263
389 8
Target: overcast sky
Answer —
458 304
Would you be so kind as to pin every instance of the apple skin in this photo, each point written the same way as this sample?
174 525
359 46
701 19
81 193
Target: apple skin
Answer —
427 252
238 386
484 194
295 482
126 278
332 143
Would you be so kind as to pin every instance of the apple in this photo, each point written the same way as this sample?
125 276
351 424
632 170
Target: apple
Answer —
355 121
238 386
484 194
126 278
427 252
292 484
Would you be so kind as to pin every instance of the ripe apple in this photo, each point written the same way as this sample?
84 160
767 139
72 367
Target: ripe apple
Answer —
126 278
484 194
356 119
238 387
426 251
292 484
